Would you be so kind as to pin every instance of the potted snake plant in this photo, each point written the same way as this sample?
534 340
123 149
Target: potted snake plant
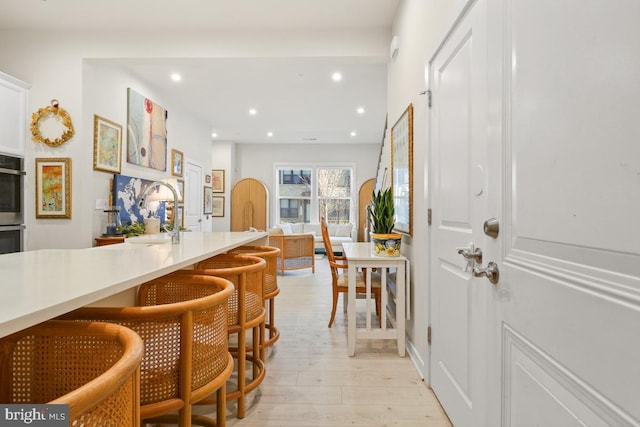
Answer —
381 212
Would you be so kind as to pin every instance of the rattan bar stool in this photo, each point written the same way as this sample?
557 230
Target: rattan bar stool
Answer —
182 319
270 255
92 367
246 312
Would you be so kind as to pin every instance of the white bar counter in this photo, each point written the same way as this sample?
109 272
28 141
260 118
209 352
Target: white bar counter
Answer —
39 285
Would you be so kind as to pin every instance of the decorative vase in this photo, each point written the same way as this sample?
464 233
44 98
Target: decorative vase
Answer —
387 245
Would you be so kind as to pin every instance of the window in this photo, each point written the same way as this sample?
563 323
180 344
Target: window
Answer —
308 193
334 194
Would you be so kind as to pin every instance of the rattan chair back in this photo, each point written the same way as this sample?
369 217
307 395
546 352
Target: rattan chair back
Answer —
270 254
182 319
92 367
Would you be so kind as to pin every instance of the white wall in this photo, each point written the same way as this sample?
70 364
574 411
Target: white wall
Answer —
54 64
420 26
257 161
223 156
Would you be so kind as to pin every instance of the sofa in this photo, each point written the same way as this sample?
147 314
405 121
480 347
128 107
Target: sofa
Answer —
338 233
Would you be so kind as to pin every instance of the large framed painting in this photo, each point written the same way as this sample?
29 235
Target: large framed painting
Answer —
53 188
127 191
107 145
402 171
146 132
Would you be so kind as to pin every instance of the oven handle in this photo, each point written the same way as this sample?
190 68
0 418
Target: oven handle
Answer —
12 171
11 227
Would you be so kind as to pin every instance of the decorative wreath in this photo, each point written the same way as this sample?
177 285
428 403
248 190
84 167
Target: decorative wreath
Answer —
59 114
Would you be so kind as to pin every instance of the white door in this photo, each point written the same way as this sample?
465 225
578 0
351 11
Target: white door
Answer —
193 196
565 317
457 126
556 340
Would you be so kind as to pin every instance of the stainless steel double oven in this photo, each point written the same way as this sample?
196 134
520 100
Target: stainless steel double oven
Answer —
11 204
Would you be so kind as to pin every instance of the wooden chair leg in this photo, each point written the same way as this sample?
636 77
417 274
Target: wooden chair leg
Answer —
333 309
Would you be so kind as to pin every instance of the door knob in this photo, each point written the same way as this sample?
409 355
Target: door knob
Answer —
491 228
471 253
491 272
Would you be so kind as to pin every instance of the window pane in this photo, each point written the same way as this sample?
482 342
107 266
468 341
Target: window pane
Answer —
294 182
334 182
295 210
336 211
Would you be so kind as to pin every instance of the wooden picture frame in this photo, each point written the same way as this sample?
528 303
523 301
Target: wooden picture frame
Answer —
208 201
218 206
181 215
402 171
180 190
107 145
53 188
177 163
217 180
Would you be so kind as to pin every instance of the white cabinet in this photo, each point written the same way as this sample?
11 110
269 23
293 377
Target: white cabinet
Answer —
13 115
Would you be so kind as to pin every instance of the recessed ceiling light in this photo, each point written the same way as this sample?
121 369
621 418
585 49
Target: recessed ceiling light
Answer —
176 77
336 76
353 133
269 134
214 135
360 110
253 111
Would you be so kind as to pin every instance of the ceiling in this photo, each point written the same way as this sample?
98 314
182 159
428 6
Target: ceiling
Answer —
295 98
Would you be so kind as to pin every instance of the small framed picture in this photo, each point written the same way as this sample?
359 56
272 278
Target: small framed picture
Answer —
53 188
107 145
217 180
181 215
207 179
208 201
180 190
177 160
218 206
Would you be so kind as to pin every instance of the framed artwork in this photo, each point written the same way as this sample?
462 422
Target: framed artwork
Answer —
180 190
218 206
127 191
146 132
107 145
181 215
217 180
53 188
208 201
177 161
402 171
207 179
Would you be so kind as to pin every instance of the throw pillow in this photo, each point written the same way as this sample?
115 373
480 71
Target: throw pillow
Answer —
344 230
286 228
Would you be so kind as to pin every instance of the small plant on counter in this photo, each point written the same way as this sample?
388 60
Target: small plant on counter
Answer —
134 229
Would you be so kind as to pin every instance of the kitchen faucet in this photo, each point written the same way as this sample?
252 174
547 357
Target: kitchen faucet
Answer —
175 231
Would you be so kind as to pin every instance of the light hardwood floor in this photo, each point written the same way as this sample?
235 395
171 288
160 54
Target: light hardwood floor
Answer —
311 382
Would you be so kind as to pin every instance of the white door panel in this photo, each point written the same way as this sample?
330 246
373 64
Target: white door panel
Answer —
568 301
555 342
457 119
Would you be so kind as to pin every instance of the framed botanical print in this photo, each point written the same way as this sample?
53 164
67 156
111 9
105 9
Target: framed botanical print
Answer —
177 161
217 180
208 201
180 190
107 145
53 188
402 171
218 206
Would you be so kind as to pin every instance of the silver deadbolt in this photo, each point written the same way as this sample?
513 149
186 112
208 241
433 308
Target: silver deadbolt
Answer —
492 228
491 272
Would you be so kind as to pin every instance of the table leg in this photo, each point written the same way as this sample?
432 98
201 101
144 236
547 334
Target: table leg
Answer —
400 309
351 311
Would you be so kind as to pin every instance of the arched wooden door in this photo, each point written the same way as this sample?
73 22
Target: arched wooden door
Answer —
364 197
249 205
